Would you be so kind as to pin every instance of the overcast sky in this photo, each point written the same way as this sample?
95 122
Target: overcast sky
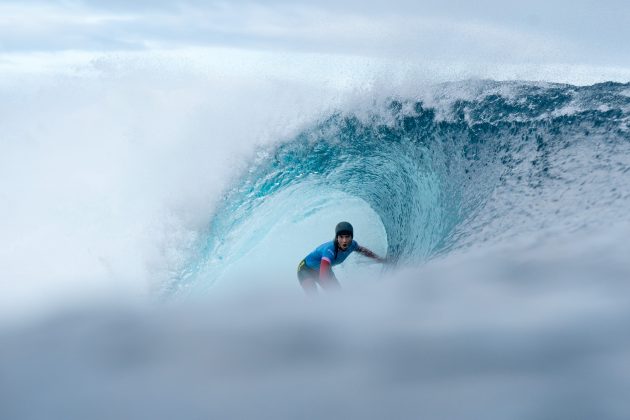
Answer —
584 36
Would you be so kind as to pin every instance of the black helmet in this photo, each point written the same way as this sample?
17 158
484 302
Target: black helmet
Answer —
344 228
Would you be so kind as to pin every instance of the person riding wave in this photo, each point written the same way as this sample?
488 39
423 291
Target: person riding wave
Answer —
316 267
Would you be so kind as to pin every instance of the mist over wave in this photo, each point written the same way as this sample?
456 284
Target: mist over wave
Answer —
504 205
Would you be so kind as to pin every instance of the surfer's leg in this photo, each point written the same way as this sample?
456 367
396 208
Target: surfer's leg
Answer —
307 278
309 285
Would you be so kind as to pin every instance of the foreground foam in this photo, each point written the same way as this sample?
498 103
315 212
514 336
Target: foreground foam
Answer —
539 334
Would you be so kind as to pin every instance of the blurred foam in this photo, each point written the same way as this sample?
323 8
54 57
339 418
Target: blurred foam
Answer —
505 334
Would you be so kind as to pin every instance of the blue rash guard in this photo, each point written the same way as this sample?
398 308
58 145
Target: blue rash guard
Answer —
327 252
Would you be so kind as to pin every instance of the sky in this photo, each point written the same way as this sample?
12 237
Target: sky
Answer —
579 33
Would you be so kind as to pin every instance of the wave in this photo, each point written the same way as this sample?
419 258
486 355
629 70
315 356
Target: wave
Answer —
465 164
504 204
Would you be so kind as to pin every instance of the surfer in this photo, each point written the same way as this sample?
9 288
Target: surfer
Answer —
316 267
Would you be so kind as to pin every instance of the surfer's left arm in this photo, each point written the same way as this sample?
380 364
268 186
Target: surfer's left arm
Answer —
368 253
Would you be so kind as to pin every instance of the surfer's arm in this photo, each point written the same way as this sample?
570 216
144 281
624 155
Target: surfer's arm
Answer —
368 253
324 269
327 278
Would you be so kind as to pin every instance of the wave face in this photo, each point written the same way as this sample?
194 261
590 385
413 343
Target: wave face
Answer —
467 164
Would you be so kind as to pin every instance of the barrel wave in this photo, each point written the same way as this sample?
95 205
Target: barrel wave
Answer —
459 166
503 205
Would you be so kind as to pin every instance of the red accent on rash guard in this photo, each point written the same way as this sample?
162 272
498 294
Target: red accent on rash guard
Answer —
324 269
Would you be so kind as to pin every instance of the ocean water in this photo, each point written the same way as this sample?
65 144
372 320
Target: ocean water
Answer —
153 222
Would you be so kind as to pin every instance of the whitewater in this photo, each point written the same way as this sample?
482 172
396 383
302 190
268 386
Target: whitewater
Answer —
154 211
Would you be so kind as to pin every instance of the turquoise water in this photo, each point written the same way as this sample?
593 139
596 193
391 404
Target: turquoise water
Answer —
429 175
